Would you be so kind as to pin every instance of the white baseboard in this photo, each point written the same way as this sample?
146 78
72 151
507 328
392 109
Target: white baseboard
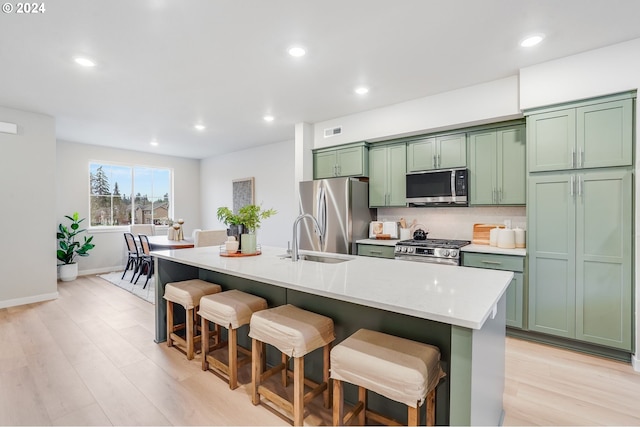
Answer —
28 300
635 362
101 270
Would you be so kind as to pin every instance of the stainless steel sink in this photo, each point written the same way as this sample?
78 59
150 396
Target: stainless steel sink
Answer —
319 258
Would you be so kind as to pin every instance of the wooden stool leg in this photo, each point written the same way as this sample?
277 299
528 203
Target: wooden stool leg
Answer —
413 416
326 394
189 320
431 408
257 348
204 328
233 358
169 323
285 361
338 403
298 391
362 397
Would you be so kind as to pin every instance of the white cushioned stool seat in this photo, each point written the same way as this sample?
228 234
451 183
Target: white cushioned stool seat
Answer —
293 331
230 309
188 292
397 368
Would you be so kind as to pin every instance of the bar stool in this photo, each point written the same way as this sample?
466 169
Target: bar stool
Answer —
186 293
229 309
397 368
295 333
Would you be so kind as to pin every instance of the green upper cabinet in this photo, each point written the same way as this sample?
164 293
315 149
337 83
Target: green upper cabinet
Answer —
438 152
580 256
585 136
351 160
387 175
497 166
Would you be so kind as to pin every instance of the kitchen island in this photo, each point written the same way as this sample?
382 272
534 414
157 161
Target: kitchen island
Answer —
460 310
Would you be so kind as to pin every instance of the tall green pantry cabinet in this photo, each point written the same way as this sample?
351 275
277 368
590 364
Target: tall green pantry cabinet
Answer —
580 215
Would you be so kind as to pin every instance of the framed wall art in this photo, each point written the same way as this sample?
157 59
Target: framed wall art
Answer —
243 193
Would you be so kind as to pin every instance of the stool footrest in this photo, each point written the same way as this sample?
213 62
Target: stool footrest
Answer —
275 398
379 418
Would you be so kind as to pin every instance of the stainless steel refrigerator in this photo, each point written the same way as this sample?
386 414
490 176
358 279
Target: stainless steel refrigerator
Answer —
341 206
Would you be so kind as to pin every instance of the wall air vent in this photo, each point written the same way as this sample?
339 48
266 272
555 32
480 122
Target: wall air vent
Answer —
329 132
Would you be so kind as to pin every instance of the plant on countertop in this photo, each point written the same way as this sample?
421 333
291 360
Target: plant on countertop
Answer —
68 247
227 217
251 215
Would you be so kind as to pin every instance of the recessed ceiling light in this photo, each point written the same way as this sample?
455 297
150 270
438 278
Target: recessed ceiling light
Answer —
268 118
532 40
200 127
297 51
85 62
361 90
154 143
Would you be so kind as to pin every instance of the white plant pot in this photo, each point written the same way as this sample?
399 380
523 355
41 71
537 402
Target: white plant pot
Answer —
68 272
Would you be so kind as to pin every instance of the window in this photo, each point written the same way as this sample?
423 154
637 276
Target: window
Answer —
124 195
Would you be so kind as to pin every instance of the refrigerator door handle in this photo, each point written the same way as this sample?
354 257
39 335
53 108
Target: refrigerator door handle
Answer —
321 209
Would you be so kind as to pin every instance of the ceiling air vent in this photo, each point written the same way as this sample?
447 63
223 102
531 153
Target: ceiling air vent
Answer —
329 132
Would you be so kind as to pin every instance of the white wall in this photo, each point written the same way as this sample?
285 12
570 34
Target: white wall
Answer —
599 72
72 195
28 176
484 103
272 166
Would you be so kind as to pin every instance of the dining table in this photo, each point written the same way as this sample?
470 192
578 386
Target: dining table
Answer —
160 242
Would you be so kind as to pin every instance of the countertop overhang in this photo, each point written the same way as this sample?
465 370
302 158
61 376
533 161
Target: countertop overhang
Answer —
459 296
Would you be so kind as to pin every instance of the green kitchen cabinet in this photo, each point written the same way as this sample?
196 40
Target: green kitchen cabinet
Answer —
497 166
351 160
515 296
437 152
580 255
589 135
387 175
377 251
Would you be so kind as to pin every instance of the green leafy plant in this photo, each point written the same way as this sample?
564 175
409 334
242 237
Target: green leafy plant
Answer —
68 246
227 217
251 215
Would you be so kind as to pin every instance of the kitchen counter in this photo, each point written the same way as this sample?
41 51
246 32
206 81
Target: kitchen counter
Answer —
461 310
453 295
486 249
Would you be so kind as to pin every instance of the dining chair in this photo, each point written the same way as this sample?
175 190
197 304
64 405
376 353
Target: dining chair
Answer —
146 260
209 238
133 256
146 229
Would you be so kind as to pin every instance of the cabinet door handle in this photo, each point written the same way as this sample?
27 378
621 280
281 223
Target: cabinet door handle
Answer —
375 252
573 159
493 195
491 262
571 185
499 195
435 161
581 161
580 185
439 161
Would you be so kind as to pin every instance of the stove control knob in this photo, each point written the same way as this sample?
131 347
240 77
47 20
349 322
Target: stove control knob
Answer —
453 253
410 250
445 252
404 249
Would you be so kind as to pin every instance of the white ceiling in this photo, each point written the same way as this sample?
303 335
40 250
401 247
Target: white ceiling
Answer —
164 65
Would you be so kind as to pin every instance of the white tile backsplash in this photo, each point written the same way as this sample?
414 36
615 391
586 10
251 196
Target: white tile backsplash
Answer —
455 223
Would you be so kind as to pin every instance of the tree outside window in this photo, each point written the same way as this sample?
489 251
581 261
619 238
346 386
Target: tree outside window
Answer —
112 200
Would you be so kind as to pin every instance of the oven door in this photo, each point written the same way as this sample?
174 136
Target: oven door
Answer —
429 259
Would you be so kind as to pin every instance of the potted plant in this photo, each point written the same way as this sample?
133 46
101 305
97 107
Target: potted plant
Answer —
250 217
232 221
69 247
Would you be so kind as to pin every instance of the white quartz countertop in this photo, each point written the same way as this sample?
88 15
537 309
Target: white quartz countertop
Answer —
460 296
379 242
486 249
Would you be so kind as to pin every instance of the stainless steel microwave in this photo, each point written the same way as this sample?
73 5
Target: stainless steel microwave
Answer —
438 188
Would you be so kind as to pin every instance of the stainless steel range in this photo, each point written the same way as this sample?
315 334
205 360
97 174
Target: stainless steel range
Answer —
440 251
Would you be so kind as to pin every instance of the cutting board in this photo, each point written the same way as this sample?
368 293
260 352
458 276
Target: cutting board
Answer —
481 233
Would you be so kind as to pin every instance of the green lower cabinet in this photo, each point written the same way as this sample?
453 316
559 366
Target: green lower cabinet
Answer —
580 256
515 292
378 251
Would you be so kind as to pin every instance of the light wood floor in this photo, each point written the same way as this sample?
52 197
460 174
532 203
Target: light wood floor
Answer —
88 358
